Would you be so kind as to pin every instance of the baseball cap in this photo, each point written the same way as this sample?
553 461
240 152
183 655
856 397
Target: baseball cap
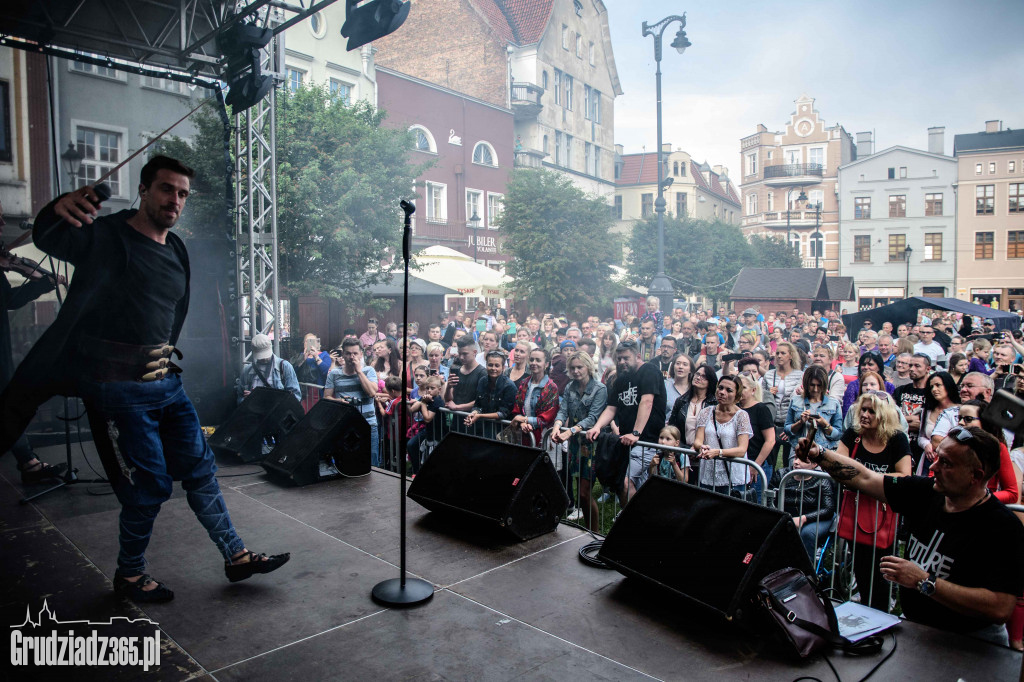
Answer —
262 347
567 342
989 321
750 311
712 320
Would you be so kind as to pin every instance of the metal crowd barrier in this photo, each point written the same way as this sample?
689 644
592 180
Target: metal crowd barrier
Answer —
311 395
833 557
609 503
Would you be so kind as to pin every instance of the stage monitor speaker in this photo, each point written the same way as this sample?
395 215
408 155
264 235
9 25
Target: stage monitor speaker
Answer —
269 413
709 548
333 439
513 486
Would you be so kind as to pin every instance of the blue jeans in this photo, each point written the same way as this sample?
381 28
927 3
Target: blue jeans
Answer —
148 436
374 443
769 469
813 534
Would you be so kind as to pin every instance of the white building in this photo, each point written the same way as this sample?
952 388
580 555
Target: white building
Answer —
897 204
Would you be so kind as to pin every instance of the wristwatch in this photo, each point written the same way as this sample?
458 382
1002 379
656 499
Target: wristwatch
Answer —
927 586
635 432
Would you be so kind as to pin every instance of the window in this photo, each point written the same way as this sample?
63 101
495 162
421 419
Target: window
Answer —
892 173
295 77
579 46
591 54
588 158
1016 192
816 156
933 246
1015 244
985 200
595 99
903 171
933 204
680 205
101 151
977 169
437 202
984 243
423 140
752 164
817 245
862 208
617 207
586 101
341 91
5 121
597 161
675 169
897 247
568 91
771 202
991 167
558 87
558 147
317 25
862 248
484 154
565 37
1011 166
165 84
769 157
568 151
897 205
544 79
793 156
646 205
103 71
474 205
751 204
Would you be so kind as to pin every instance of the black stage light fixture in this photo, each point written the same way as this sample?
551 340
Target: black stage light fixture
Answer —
241 45
372 20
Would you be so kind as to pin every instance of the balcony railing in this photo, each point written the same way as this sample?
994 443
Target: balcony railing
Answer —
528 158
793 170
797 218
440 231
526 100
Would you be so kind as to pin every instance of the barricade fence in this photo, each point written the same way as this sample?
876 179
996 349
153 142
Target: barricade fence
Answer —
846 555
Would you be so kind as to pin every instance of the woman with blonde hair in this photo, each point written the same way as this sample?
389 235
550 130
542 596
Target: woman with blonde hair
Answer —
518 372
761 446
903 345
876 441
849 367
782 381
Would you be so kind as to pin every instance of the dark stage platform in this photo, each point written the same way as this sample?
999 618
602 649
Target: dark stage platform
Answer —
502 611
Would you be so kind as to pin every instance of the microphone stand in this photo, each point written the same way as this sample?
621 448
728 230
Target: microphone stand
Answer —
402 591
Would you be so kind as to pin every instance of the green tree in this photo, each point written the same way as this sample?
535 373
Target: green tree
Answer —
701 256
560 242
768 251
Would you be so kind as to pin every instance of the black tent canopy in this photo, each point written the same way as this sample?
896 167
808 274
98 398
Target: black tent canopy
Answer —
906 310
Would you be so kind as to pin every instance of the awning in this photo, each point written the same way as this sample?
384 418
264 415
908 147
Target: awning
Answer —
905 310
450 268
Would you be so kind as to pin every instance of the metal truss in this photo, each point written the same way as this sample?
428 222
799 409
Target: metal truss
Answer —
256 213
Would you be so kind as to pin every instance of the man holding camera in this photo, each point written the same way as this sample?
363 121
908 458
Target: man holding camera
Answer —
355 384
266 369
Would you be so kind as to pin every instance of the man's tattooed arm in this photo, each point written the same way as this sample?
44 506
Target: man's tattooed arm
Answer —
841 471
852 473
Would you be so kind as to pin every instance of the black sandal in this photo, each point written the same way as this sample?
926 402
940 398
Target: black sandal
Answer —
257 563
134 592
44 472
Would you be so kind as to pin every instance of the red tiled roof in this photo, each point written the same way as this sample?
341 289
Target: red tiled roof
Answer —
639 169
521 22
715 187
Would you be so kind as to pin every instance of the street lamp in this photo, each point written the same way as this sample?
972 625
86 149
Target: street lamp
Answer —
906 256
72 159
660 287
474 222
801 197
817 238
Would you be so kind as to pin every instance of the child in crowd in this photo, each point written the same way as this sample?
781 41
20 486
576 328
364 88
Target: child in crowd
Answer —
669 463
424 411
388 402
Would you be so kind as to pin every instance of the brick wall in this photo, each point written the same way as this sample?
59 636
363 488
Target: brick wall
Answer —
446 42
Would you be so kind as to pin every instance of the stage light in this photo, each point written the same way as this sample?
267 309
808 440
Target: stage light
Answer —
372 20
241 45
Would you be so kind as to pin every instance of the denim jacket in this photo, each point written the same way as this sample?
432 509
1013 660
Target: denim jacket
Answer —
582 410
282 375
829 408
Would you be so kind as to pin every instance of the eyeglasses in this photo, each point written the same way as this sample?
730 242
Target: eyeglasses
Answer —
962 435
967 419
700 375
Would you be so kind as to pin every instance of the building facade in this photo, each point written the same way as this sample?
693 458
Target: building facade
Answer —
990 217
897 223
697 191
468 144
789 184
550 61
314 52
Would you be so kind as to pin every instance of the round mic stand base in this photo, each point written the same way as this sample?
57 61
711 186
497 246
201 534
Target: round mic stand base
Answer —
394 593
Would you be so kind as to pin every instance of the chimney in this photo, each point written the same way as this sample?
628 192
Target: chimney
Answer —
937 140
619 149
666 147
865 144
993 126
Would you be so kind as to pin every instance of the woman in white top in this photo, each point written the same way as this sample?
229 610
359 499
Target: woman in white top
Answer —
941 400
678 381
850 367
723 431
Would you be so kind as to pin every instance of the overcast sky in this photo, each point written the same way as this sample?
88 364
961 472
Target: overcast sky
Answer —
896 68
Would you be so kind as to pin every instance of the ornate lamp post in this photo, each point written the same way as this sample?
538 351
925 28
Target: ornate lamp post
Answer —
800 197
474 222
660 285
906 256
72 159
817 238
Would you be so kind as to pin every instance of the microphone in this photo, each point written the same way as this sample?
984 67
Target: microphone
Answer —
25 224
408 207
102 190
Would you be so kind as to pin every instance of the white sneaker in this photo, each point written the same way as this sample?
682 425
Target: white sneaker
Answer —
604 498
575 515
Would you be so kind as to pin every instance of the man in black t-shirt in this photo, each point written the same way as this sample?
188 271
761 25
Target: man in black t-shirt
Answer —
964 565
637 405
462 383
910 398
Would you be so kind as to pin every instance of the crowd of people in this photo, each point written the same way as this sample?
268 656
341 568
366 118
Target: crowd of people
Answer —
726 387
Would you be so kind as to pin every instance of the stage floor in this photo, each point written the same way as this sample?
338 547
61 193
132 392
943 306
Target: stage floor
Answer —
501 610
